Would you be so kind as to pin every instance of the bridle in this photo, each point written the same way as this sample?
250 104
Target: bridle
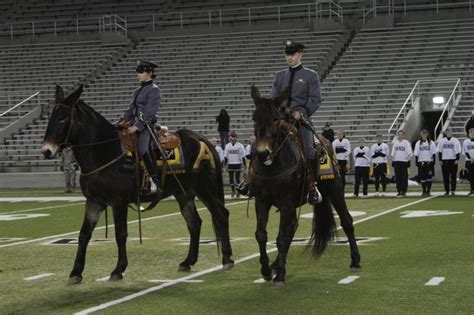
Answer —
66 142
274 153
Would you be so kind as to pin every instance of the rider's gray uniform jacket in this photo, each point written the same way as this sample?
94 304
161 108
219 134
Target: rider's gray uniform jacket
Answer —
146 99
305 96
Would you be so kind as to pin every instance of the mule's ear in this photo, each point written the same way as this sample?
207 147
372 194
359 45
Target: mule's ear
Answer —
59 94
255 93
283 96
73 97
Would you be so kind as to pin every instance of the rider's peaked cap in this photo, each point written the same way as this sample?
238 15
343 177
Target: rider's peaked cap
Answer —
144 65
292 47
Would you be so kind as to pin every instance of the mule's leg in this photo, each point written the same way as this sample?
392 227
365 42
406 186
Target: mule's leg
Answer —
262 210
334 191
220 219
120 211
193 222
91 216
285 237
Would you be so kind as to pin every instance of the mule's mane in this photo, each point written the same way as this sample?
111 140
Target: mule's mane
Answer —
264 112
86 108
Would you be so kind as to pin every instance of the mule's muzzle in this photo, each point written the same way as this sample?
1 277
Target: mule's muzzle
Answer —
49 150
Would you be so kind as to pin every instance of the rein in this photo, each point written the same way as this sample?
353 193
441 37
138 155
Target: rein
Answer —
66 142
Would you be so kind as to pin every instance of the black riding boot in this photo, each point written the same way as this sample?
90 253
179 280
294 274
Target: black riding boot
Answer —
150 164
314 196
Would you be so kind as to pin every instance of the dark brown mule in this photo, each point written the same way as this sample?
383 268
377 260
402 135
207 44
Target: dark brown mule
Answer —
95 144
280 180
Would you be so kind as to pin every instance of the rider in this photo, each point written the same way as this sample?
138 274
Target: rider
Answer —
146 101
304 99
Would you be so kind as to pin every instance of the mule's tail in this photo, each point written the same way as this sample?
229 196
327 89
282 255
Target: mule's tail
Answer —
324 228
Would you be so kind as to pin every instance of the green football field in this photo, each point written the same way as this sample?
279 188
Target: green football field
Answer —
417 258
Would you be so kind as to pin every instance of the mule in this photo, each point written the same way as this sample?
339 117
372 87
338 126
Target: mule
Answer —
100 155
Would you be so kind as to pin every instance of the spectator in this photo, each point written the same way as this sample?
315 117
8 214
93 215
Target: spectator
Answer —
342 148
449 150
223 121
328 133
219 150
361 156
401 156
468 150
469 123
69 167
425 156
234 155
379 153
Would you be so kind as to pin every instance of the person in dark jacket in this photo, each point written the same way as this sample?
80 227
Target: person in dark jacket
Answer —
328 132
145 102
469 124
223 127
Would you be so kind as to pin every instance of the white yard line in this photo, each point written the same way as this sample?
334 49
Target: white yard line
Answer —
103 227
348 279
43 208
435 281
169 280
40 276
214 269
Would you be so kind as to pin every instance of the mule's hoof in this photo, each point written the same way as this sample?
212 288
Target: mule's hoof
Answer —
267 278
228 266
115 277
74 280
355 269
184 268
278 284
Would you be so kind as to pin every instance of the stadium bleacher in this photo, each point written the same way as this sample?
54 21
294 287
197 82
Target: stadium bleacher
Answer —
200 74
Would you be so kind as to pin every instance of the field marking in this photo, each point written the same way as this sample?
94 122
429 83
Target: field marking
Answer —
348 279
40 199
169 280
217 268
435 281
42 208
40 276
103 227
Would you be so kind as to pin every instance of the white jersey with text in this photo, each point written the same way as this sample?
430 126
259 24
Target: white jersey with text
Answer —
361 156
401 151
342 148
234 153
425 150
468 148
381 151
449 148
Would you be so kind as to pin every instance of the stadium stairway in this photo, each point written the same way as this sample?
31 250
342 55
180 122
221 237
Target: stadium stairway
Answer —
368 85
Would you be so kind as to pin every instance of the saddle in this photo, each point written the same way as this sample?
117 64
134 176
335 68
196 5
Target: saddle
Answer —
167 140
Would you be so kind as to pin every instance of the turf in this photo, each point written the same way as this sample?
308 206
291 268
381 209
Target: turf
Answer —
394 272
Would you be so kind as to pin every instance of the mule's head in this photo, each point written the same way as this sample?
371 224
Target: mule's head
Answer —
266 119
60 122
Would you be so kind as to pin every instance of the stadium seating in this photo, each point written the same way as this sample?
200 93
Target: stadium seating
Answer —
370 82
32 68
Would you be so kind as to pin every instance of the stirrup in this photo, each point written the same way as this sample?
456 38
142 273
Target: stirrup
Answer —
314 196
154 188
243 188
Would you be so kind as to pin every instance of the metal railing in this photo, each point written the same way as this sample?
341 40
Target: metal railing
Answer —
422 87
390 7
20 104
113 23
443 123
212 18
